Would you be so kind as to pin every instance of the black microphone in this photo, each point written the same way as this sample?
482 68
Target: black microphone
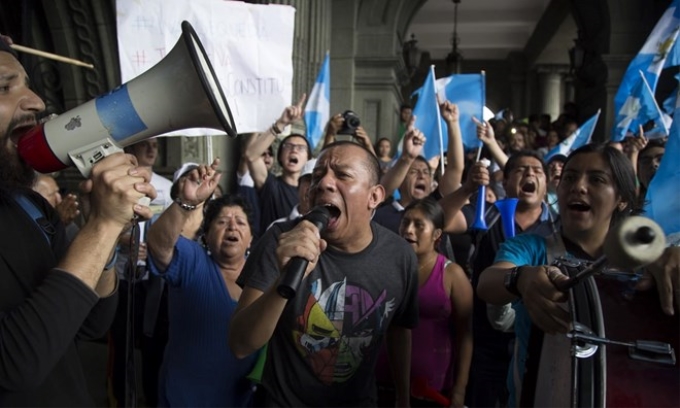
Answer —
295 269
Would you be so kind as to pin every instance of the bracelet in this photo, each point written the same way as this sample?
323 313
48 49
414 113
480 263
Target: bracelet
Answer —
184 206
112 262
275 129
511 280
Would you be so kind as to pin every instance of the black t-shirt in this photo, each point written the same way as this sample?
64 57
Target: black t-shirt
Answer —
389 213
325 345
277 199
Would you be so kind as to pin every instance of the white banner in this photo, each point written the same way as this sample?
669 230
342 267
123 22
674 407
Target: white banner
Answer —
250 47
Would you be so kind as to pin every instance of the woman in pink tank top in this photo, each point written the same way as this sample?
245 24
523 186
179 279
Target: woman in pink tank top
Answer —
442 342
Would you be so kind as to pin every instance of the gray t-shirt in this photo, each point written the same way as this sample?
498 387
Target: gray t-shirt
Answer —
324 348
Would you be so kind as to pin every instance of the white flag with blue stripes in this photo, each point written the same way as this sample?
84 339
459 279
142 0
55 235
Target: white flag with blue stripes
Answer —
580 137
317 111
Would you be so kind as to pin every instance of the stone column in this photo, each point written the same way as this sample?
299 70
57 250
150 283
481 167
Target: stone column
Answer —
371 50
550 88
569 92
631 22
342 62
319 32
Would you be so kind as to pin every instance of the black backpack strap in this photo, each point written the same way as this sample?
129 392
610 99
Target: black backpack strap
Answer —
44 225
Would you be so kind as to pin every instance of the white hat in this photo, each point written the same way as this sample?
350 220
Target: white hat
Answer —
308 168
186 167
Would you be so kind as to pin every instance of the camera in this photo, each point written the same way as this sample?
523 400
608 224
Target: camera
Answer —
351 124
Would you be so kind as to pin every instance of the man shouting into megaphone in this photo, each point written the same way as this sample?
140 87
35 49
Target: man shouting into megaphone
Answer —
49 294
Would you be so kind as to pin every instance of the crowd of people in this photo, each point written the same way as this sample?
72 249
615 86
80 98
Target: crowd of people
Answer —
416 290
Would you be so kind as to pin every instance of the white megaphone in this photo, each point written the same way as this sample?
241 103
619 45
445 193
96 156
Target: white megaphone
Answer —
180 92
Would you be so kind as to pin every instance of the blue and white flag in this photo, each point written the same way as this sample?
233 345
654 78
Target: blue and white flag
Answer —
651 58
317 111
640 108
580 137
428 118
673 58
468 91
662 204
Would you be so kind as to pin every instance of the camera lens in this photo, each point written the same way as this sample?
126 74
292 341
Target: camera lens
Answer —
351 124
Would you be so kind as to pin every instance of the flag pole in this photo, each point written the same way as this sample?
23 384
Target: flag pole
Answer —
656 105
592 130
483 99
439 123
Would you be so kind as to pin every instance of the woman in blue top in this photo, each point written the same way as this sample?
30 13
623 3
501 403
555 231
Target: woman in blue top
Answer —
198 368
597 189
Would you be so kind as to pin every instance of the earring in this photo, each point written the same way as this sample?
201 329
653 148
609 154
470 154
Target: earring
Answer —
247 252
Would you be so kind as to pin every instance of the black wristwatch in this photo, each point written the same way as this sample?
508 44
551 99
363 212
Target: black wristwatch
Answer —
511 279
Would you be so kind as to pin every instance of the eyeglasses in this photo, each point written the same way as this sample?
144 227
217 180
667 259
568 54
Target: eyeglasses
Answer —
294 147
267 153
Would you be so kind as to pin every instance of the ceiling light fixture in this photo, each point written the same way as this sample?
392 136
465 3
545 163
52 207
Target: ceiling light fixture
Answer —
454 59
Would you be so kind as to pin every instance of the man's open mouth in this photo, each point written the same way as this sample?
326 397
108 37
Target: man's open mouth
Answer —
529 187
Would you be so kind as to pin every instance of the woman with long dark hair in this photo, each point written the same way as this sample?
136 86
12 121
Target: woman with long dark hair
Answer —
597 190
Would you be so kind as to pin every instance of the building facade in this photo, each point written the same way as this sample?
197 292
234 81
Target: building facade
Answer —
368 71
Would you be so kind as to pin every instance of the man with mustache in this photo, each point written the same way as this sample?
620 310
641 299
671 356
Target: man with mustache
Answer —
51 295
360 287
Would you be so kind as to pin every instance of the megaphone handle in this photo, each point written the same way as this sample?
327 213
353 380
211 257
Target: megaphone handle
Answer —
87 156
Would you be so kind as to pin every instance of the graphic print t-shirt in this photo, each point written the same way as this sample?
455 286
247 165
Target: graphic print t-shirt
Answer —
324 348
